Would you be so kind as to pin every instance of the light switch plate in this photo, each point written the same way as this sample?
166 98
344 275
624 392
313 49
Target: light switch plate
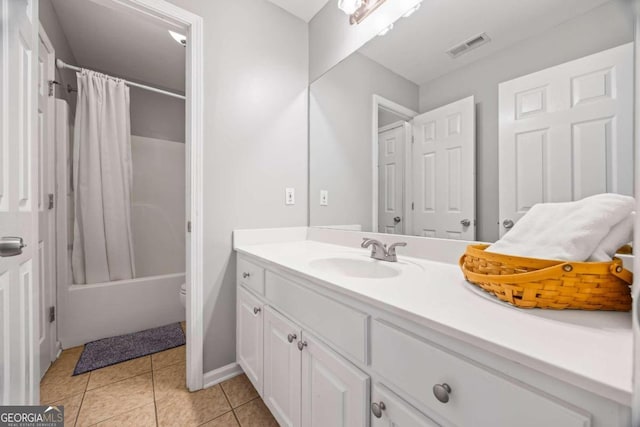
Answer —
324 198
290 196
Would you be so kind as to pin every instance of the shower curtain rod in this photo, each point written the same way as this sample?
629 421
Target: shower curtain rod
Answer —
61 64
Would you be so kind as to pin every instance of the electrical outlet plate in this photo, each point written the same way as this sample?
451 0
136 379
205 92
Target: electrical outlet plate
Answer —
324 198
290 196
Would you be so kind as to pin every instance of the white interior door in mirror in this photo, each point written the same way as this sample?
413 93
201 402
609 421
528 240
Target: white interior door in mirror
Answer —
392 144
444 171
566 133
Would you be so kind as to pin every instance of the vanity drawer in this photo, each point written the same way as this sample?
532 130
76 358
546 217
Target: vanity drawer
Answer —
477 396
336 323
250 275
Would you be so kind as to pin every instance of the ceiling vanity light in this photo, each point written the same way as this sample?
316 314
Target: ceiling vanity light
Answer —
180 38
359 9
349 6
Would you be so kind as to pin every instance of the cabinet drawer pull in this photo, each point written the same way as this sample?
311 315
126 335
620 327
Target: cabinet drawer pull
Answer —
291 337
302 345
246 275
377 409
441 392
256 310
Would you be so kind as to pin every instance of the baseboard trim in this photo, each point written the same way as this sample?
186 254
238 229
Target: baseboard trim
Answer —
219 375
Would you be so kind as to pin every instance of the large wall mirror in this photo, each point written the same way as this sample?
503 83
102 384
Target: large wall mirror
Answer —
466 113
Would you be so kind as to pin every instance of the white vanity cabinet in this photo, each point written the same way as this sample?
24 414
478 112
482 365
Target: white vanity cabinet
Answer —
282 368
249 331
301 380
334 392
389 410
320 358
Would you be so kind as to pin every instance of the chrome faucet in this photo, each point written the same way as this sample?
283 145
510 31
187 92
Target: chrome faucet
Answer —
379 250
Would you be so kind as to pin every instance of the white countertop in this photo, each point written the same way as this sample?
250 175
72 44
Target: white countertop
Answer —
592 350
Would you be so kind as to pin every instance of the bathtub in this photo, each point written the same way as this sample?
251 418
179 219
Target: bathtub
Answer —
91 312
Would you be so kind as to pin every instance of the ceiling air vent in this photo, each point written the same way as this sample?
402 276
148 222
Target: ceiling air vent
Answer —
468 45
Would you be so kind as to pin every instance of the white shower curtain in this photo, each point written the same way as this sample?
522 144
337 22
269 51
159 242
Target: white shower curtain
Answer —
102 181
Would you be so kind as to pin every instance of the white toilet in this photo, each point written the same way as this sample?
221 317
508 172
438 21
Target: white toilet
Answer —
183 295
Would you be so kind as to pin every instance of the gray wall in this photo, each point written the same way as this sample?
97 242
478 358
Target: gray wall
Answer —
602 28
340 137
51 25
157 116
255 142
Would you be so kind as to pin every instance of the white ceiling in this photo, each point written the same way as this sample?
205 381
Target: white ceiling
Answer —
122 45
303 9
415 48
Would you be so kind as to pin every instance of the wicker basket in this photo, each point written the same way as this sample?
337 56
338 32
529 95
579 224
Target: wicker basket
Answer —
540 283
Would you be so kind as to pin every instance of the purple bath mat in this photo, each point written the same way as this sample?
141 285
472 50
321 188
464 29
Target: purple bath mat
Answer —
109 351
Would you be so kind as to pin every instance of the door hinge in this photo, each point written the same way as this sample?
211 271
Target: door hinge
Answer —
412 205
188 226
51 201
52 314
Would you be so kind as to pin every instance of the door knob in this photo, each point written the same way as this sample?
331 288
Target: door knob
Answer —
256 310
397 220
465 222
377 409
507 223
302 345
11 246
291 337
441 392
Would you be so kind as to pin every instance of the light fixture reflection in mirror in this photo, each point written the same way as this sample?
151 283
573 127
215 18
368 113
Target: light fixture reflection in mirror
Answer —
349 6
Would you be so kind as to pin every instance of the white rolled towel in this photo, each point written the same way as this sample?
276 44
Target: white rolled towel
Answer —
570 231
620 235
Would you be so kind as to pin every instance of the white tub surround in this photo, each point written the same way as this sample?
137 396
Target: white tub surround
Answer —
395 338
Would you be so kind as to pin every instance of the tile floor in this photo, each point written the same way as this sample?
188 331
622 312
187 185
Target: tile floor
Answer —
149 391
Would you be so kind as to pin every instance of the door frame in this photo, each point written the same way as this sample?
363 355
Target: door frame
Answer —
380 102
52 293
192 25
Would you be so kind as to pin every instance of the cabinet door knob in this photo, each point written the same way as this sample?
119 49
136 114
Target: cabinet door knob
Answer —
377 409
465 222
291 337
302 345
441 392
256 310
245 275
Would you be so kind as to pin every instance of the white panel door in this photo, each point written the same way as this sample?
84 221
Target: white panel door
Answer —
392 142
444 172
19 315
249 336
566 133
46 186
389 410
334 392
282 368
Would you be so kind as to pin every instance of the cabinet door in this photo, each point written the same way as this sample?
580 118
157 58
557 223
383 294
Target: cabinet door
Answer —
334 392
249 336
389 410
282 368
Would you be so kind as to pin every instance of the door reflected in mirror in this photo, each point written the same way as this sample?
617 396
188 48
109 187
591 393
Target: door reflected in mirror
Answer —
454 128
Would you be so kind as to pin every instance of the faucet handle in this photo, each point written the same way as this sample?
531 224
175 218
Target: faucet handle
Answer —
391 251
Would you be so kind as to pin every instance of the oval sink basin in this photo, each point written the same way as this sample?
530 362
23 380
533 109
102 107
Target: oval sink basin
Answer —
365 268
